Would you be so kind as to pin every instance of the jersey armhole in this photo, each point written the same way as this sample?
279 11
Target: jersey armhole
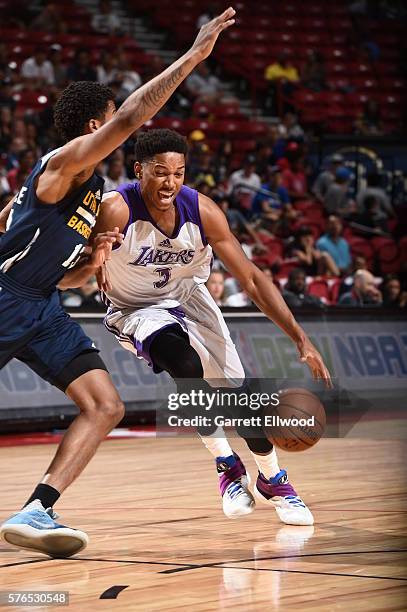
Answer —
199 220
130 219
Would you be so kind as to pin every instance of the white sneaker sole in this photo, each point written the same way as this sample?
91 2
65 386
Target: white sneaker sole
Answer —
63 542
288 516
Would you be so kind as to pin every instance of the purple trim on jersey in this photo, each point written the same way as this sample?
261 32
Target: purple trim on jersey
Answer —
125 192
188 200
143 347
177 312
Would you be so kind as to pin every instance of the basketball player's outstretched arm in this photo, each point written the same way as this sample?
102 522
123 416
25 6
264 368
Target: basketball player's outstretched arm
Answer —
87 151
257 285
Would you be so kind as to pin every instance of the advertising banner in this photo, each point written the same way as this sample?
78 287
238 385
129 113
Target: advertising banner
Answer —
365 356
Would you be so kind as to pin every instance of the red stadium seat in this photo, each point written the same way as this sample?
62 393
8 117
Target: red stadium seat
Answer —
304 97
334 286
306 205
341 125
385 246
286 266
267 259
196 124
320 289
360 246
335 54
315 215
336 68
332 97
166 122
202 110
225 128
403 248
360 69
274 245
366 84
389 100
227 111
387 252
28 99
316 227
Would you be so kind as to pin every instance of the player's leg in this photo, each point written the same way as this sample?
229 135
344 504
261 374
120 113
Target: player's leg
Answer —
171 351
35 527
101 409
161 337
73 365
210 336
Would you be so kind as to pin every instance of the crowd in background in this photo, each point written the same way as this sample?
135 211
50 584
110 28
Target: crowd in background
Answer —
288 215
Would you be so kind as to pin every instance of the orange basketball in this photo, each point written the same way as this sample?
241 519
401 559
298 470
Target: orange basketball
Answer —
297 422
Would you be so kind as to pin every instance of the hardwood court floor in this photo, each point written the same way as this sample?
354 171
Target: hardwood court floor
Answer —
153 514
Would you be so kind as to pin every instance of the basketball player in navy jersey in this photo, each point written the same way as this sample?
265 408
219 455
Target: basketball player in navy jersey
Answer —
161 310
47 227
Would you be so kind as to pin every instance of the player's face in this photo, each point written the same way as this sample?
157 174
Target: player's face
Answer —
162 178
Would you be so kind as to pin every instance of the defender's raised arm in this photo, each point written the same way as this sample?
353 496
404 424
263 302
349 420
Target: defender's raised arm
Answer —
140 106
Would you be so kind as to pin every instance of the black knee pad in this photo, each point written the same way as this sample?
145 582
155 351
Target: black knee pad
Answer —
171 351
259 446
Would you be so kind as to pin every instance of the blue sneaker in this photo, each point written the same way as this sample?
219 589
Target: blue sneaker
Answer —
34 528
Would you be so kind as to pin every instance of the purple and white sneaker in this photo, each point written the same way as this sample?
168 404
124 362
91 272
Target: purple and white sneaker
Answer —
279 493
233 484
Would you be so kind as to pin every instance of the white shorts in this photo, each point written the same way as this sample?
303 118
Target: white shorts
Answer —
199 317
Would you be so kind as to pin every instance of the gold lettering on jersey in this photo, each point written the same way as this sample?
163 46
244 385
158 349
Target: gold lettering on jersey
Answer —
79 226
90 201
72 221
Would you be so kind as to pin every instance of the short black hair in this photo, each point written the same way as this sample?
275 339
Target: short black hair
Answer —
79 103
159 141
305 230
294 273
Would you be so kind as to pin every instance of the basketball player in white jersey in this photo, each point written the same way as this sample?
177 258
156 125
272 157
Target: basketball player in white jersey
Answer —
161 310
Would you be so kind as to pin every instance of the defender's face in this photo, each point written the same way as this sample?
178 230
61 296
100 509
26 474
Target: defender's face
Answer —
161 178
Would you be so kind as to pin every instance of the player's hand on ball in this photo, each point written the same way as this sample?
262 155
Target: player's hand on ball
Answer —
310 356
209 33
102 246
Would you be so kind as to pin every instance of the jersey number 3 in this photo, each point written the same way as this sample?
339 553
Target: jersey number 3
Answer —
165 275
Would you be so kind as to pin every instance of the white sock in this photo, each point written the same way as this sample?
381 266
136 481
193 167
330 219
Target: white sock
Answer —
267 464
217 444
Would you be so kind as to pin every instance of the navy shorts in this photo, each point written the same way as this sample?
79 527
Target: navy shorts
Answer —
40 334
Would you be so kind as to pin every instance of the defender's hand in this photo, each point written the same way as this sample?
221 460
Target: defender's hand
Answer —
102 246
103 279
310 356
208 34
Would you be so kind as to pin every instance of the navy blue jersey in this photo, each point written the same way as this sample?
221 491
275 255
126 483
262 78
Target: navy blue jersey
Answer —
43 241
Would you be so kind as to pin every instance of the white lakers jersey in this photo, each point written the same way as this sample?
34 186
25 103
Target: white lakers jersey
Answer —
152 269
